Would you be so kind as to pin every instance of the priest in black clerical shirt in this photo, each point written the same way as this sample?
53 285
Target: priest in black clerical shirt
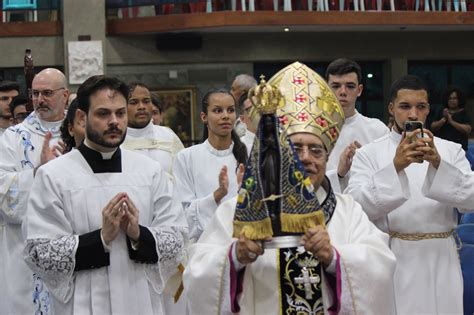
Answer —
102 229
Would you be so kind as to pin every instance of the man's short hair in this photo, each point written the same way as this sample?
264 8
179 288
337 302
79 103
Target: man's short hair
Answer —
157 103
9 86
407 82
343 66
97 83
245 82
132 85
18 101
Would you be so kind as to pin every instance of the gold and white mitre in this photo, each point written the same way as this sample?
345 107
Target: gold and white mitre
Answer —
310 104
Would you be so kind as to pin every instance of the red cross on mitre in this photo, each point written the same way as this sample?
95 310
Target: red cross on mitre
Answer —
300 98
302 117
322 122
283 119
333 132
298 80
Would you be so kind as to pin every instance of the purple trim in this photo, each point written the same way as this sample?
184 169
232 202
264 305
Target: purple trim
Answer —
336 283
236 283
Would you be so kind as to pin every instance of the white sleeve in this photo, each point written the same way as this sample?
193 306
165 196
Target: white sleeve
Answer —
50 245
193 207
170 231
366 266
451 183
16 177
378 191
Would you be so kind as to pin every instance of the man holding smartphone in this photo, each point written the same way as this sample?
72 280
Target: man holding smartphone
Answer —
393 179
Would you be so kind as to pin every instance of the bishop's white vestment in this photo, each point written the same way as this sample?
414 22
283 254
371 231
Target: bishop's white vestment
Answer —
362 284
356 128
19 154
416 206
196 174
63 242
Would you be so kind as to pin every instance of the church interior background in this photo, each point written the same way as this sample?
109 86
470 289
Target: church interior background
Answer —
198 45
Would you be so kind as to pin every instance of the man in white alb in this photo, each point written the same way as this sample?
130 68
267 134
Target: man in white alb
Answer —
344 76
409 183
24 148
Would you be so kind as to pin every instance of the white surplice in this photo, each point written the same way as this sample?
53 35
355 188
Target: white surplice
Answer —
157 142
20 148
365 262
428 277
67 200
196 174
356 128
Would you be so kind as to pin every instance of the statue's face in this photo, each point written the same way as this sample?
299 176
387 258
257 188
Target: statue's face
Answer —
312 154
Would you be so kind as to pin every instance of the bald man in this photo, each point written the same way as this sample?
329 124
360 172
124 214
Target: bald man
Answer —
25 147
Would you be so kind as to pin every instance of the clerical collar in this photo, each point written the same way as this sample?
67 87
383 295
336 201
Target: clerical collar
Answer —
137 132
100 162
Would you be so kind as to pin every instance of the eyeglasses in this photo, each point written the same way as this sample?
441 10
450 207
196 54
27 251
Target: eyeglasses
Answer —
45 93
315 151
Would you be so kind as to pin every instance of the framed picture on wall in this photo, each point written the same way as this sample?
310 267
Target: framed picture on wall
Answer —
178 110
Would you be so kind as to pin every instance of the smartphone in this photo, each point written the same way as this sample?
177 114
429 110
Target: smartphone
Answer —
414 125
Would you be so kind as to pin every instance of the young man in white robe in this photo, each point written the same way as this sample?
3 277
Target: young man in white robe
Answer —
409 187
344 76
24 148
240 276
157 142
102 229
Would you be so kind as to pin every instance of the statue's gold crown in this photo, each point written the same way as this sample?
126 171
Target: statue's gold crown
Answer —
266 98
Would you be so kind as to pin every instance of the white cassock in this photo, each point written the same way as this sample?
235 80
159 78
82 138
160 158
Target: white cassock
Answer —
66 204
419 199
196 175
248 139
157 142
19 155
364 268
356 128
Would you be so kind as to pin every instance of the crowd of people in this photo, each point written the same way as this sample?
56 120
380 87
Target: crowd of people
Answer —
293 203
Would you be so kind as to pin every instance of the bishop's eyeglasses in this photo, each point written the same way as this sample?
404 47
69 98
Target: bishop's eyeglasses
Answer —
315 150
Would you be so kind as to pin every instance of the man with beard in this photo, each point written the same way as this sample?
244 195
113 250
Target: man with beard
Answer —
102 229
157 142
24 148
409 183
